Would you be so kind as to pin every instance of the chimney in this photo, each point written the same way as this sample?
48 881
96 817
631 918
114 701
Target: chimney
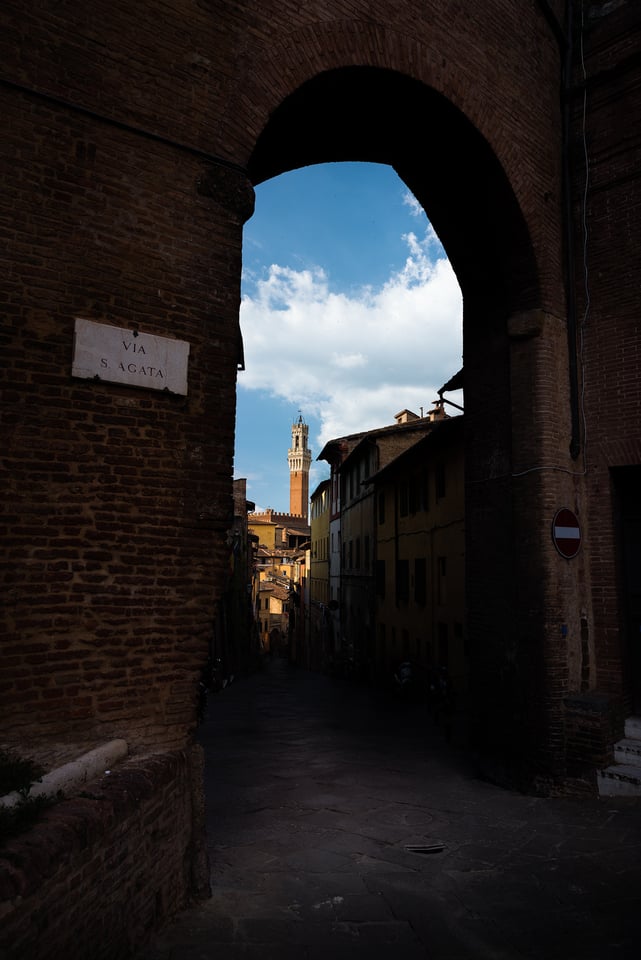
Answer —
438 413
405 416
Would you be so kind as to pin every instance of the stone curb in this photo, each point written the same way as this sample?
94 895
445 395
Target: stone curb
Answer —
75 774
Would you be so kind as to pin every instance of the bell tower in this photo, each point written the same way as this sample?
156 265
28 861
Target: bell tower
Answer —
299 458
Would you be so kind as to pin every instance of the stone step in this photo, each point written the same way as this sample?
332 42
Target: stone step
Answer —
633 728
628 751
621 779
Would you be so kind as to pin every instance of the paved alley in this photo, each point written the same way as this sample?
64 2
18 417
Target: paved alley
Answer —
342 825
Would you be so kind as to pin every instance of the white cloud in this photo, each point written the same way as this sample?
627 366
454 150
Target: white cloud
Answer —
355 360
409 200
346 361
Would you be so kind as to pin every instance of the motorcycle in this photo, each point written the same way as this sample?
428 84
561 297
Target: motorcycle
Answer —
404 680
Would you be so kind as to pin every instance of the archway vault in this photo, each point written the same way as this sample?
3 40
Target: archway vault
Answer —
376 115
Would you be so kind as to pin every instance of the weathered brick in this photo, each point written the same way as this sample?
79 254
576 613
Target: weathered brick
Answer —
113 212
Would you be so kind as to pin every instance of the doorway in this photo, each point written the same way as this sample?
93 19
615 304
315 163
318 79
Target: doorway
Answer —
627 482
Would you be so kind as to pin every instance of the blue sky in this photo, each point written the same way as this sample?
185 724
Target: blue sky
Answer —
350 313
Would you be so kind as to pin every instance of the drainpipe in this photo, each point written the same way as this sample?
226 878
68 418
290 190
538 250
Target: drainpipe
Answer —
575 440
566 50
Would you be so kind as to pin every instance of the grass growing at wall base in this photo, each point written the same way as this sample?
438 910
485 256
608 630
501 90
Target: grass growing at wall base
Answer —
19 774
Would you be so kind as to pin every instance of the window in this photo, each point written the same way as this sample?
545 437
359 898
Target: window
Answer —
425 486
443 645
381 642
381 507
402 581
357 562
413 494
403 499
441 569
420 581
380 579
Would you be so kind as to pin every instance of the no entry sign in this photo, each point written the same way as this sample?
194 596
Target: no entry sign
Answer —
566 533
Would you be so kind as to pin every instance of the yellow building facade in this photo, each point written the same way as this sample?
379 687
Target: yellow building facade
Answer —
319 572
420 557
319 633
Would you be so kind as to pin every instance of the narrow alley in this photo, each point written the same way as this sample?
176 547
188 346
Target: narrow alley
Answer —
342 824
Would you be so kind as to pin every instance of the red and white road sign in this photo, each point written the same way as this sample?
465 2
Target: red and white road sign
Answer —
566 533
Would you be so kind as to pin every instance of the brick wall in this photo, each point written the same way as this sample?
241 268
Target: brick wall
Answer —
120 208
116 501
610 319
99 872
124 199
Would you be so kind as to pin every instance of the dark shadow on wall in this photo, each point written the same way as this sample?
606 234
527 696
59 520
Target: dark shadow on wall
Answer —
380 116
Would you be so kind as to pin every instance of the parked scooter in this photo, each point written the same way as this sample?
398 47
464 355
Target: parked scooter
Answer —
404 680
211 681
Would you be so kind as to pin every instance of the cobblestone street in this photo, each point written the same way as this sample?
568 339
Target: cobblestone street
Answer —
342 825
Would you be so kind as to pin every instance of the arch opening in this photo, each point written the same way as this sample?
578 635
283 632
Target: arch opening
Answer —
376 115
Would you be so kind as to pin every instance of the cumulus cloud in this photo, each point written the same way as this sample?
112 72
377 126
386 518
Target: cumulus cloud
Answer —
354 360
409 200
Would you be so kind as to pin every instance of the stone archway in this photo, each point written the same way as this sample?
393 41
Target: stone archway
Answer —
130 170
515 349
125 161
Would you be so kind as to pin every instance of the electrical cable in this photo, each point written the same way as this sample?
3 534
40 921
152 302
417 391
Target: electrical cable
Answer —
126 127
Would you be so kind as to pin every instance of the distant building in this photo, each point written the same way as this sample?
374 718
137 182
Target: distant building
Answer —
320 635
299 459
234 645
358 530
275 530
335 452
420 551
278 531
272 609
352 529
282 556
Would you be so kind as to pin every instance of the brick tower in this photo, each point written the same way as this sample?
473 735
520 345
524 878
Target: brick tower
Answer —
299 459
